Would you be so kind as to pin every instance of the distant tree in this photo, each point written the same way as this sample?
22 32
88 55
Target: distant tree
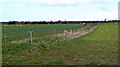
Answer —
105 20
51 21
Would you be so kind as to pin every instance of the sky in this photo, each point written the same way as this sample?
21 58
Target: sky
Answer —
54 10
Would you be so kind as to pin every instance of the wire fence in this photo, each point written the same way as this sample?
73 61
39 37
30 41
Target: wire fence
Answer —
52 38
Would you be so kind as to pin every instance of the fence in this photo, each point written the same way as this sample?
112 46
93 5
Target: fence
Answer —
53 38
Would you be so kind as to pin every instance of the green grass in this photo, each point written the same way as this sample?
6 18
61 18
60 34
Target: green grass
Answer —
106 32
98 47
41 30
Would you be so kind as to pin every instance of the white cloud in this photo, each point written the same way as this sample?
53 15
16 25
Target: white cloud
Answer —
13 1
109 15
99 1
56 2
70 2
82 10
60 2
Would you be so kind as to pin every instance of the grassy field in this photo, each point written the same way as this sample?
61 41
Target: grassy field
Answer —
96 48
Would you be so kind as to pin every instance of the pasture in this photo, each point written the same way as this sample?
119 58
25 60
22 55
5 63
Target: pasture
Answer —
97 47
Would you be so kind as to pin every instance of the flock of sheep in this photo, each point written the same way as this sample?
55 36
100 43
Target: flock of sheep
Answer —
12 25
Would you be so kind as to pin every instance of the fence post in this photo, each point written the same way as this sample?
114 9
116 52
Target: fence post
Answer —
48 35
57 33
31 37
70 32
78 30
82 29
5 43
64 32
73 32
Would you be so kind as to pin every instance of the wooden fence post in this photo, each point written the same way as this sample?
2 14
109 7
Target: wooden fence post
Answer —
31 37
65 32
48 35
70 32
78 30
57 33
73 31
82 29
5 43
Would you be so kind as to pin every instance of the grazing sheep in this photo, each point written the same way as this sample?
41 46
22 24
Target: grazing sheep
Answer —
16 25
5 25
115 23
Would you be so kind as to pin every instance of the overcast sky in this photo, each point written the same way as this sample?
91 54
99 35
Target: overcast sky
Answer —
47 10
